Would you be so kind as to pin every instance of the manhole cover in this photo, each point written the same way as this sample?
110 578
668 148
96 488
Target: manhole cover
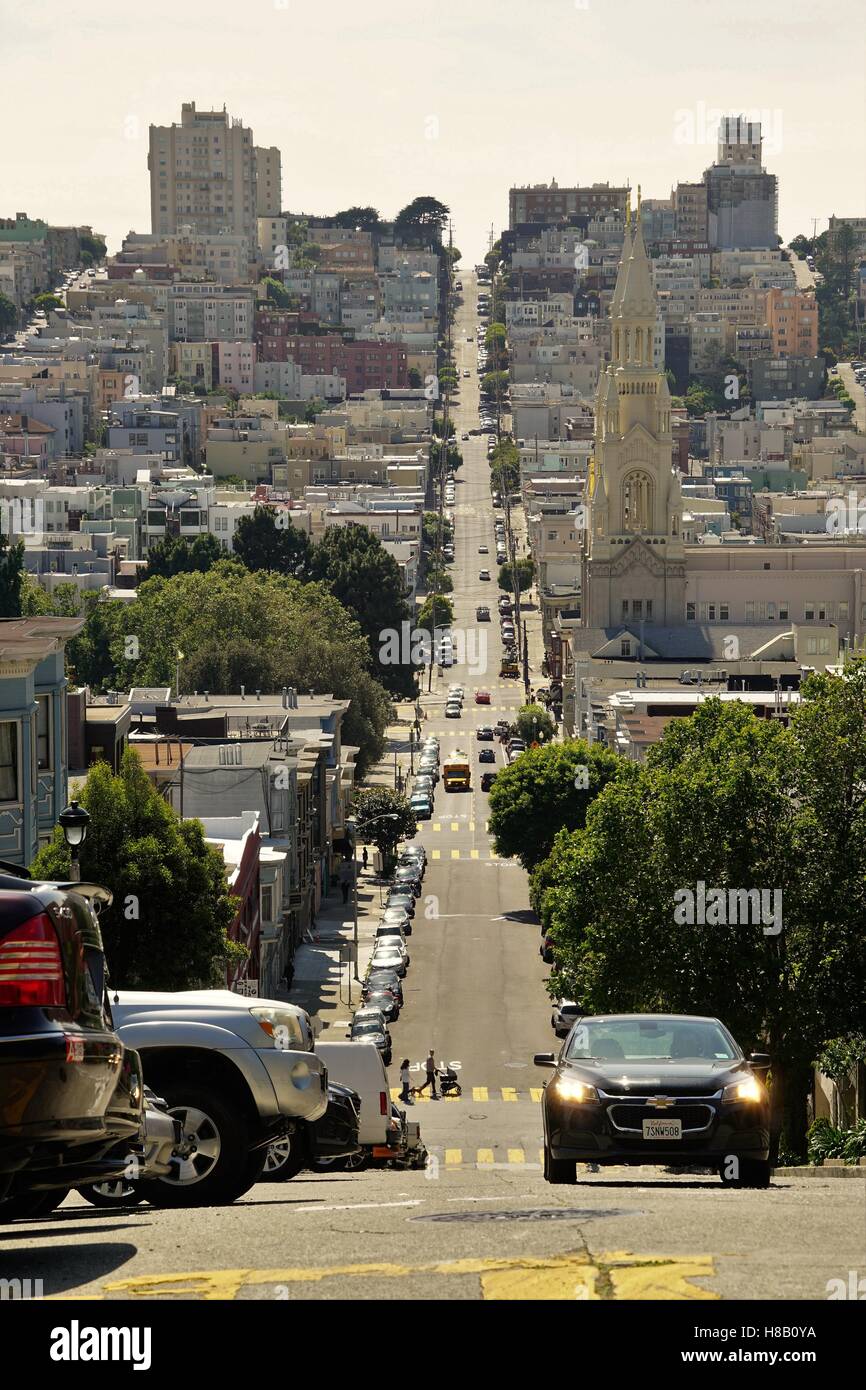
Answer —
532 1214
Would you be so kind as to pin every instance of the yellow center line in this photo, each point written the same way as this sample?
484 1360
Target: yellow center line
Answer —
484 1156
509 1093
479 1093
516 1156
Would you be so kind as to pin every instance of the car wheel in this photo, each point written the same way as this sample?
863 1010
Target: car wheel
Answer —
220 1166
559 1170
284 1159
753 1172
119 1192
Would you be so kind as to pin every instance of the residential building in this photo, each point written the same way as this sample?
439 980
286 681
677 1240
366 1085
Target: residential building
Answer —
792 318
544 203
203 175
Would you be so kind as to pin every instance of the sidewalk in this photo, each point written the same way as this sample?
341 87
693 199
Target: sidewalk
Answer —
321 980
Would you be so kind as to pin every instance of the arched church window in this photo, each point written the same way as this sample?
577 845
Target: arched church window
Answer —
637 502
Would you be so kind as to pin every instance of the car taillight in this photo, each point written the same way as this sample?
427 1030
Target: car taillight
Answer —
31 969
384 1107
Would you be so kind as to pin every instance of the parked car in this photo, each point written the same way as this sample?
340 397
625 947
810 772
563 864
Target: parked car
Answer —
384 980
71 1091
334 1136
670 1089
409 878
546 950
372 1029
360 1066
563 1016
389 958
421 806
382 999
236 1071
456 692
405 902
417 852
502 726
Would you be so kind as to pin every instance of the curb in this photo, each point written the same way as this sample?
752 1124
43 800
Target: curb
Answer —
832 1168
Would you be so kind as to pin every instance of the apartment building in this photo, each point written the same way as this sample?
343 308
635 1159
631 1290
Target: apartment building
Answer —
210 313
544 203
203 175
364 364
269 180
792 318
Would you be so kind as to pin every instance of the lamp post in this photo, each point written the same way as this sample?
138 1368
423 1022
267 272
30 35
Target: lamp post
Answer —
389 815
74 820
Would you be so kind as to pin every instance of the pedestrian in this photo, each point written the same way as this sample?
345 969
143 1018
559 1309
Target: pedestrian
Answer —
364 857
404 1082
430 1069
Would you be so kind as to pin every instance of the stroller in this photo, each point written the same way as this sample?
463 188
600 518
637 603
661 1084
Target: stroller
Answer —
448 1083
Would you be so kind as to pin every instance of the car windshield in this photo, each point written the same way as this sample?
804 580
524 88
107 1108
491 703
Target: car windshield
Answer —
650 1040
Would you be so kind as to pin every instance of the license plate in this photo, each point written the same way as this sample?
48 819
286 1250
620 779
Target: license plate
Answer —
662 1129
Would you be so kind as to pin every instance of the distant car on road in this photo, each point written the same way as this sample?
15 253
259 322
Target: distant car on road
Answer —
487 780
484 574
486 755
482 697
482 614
484 734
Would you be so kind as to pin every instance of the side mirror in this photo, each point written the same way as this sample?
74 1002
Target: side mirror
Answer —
760 1060
544 1059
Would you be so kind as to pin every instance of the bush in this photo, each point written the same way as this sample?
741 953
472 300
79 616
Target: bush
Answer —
826 1141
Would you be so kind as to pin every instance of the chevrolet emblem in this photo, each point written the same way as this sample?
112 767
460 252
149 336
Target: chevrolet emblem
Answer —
661 1102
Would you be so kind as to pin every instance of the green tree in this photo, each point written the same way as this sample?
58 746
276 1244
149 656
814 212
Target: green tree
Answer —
8 314
424 218
370 805
439 579
11 577
546 790
276 291
494 383
525 570
368 582
178 555
167 926
48 301
435 611
415 379
535 724
268 541
505 467
92 246
366 218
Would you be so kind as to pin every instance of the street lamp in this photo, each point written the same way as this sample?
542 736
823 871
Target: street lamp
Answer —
74 820
388 815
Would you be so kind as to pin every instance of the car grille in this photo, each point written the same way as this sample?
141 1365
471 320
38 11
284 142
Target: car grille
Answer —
694 1116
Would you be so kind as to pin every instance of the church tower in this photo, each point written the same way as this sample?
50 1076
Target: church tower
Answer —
633 560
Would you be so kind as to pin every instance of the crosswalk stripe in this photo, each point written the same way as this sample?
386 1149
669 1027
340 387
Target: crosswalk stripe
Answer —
541 1157
436 854
455 825
472 825
509 1093
437 826
516 1156
479 1093
485 1156
455 854
536 1092
473 854
453 1155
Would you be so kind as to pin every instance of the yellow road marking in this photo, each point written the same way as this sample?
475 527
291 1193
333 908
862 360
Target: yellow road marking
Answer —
455 825
509 1093
479 1093
472 825
484 1156
536 1092
436 853
516 1156
473 854
526 1277
455 854
437 825
453 1155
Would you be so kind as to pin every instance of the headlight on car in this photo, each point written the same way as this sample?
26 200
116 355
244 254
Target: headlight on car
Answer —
750 1090
283 1028
569 1088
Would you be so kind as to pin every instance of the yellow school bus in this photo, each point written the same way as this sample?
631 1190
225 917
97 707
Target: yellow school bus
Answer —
509 668
457 773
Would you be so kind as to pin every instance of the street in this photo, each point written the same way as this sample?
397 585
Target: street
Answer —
480 1223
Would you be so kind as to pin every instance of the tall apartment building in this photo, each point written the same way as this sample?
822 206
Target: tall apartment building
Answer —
742 198
858 227
542 202
690 206
203 175
792 318
269 181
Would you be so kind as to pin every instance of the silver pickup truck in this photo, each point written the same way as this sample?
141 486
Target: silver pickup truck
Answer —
237 1072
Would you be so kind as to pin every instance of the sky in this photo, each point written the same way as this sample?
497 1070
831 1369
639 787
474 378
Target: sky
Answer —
378 102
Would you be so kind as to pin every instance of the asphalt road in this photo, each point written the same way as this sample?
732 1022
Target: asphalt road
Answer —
480 1223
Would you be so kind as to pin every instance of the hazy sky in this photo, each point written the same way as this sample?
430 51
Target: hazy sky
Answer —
377 102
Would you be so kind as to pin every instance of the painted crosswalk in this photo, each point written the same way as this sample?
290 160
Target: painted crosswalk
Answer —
470 854
501 1094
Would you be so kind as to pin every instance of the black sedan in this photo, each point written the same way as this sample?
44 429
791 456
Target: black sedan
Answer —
387 980
383 1000
405 900
671 1089
486 755
484 734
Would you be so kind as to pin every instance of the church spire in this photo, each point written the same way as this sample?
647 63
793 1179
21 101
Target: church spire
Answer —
634 297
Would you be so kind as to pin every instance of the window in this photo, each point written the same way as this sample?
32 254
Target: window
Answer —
783 612
750 611
724 612
809 610
637 608
649 608
8 761
267 905
624 609
843 609
690 612
43 731
625 647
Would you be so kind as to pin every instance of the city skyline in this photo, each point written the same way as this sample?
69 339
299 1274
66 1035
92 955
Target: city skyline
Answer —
461 106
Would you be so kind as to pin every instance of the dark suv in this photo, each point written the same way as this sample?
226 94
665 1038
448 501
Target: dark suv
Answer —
70 1092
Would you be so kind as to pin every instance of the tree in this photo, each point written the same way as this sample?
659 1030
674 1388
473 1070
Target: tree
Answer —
167 926
546 790
8 314
425 217
436 611
178 555
365 218
48 301
494 383
92 246
523 572
415 379
367 580
436 531
439 579
371 805
276 291
224 666
802 246
11 577
505 467
535 724
261 543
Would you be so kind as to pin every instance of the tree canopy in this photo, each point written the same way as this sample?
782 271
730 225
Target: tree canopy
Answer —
179 555
166 928
370 805
267 540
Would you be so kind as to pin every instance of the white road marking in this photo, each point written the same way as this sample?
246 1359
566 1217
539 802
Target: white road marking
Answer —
361 1206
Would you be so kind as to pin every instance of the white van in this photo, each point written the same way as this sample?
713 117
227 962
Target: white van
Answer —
360 1066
